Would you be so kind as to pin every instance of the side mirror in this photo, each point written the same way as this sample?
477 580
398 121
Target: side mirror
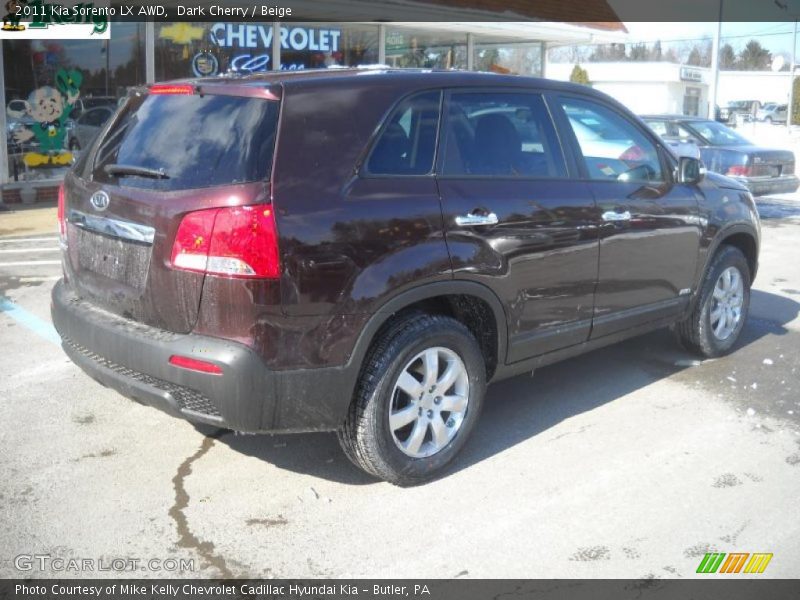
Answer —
690 170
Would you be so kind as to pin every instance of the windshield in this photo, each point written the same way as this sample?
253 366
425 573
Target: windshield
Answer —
717 134
194 140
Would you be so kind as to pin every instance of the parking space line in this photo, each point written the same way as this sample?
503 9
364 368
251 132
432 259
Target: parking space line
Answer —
35 324
28 263
29 250
15 240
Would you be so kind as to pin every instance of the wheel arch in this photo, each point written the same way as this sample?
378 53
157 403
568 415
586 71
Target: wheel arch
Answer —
744 239
469 302
741 236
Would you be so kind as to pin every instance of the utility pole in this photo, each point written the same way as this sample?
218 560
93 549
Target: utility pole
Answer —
713 84
791 78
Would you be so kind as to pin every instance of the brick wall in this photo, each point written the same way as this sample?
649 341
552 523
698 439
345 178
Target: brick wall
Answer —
43 194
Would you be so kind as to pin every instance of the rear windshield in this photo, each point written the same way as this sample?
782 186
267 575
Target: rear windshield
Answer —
195 141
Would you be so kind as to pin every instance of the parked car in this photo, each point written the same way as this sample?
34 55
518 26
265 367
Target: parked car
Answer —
725 151
328 251
679 141
87 126
83 105
746 108
773 113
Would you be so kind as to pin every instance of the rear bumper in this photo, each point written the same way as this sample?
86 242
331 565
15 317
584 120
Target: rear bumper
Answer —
770 185
133 359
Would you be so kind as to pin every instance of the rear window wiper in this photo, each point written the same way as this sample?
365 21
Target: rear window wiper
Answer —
136 171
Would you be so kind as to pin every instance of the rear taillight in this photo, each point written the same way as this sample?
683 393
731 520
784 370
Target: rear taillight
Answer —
168 89
738 171
239 241
62 223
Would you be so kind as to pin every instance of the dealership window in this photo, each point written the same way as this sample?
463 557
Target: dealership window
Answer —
206 49
413 48
50 83
518 58
316 46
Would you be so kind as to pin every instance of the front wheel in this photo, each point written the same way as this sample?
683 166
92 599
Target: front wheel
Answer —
418 398
721 310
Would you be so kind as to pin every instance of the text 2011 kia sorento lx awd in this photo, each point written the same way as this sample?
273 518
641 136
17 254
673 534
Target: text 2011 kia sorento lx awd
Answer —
363 251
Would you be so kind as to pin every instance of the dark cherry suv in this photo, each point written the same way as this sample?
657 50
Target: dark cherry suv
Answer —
362 251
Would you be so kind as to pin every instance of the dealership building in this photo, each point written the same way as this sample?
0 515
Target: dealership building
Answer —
138 53
647 87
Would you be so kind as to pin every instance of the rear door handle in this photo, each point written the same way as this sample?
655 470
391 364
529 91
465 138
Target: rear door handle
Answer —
472 220
612 215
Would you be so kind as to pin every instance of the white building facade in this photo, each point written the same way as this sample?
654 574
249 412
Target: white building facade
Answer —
646 87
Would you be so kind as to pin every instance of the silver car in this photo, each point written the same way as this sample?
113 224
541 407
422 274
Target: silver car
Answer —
88 125
772 113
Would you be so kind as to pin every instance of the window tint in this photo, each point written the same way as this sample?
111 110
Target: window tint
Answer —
613 148
199 141
95 117
501 135
407 143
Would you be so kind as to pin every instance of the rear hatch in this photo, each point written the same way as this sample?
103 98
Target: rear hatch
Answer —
170 151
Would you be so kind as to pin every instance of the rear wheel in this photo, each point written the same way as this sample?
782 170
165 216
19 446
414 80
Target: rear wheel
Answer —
721 310
418 398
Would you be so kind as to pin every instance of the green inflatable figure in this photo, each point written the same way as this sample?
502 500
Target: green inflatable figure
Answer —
50 108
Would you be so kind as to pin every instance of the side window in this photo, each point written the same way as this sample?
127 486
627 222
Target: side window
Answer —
407 143
685 135
613 148
500 135
660 127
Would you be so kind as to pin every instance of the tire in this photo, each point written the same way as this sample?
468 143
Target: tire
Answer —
400 456
702 332
768 120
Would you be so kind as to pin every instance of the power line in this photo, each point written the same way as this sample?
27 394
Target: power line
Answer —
699 39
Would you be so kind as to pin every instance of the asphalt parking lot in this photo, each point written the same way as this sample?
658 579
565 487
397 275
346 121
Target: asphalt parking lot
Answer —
636 468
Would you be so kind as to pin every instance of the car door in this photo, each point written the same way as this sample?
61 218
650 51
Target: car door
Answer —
515 218
650 232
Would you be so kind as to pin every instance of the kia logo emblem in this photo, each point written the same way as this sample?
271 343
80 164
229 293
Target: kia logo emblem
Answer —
100 200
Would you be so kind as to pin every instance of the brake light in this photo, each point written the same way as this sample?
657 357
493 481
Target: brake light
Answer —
167 89
738 171
184 362
238 241
62 223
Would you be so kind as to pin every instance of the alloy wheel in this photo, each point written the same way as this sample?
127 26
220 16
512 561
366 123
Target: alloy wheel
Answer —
429 402
726 307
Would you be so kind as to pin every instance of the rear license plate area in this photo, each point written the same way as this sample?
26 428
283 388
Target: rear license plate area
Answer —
122 261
